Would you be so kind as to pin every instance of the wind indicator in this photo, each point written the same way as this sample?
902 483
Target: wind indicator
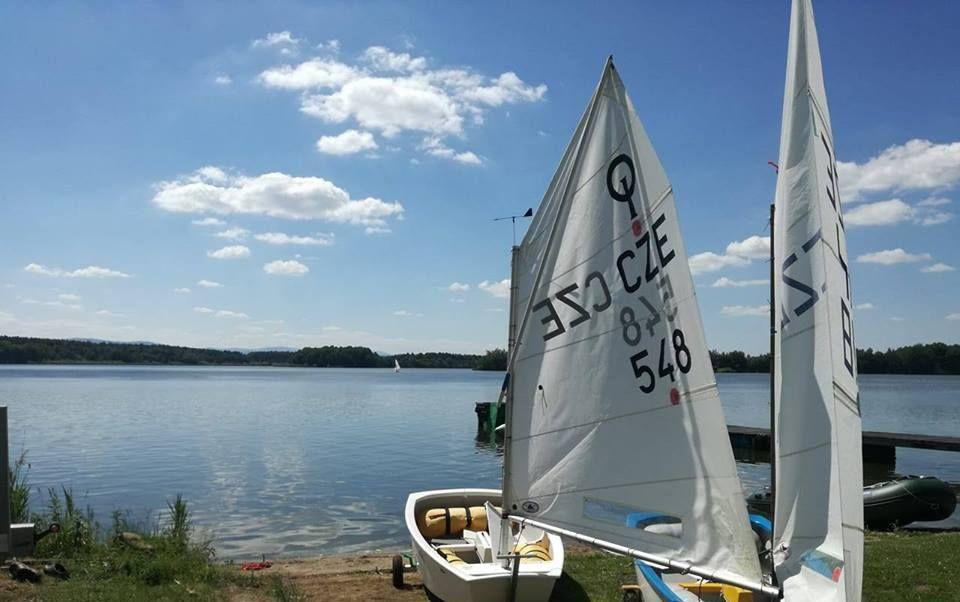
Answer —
513 220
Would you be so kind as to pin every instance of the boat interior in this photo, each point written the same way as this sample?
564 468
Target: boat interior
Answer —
464 529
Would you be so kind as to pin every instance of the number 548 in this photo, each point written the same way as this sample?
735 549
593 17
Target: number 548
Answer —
644 373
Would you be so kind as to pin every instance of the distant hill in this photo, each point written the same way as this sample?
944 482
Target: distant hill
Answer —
26 350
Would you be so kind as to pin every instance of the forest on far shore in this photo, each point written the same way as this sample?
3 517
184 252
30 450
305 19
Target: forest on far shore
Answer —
929 358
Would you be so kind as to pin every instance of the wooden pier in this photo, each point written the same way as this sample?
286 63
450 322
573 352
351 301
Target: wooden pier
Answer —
753 443
878 446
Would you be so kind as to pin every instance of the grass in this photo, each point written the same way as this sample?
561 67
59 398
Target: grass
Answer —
130 561
901 566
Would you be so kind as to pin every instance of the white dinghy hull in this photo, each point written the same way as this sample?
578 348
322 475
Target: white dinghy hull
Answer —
476 582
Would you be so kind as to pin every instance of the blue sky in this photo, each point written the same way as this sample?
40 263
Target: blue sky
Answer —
378 141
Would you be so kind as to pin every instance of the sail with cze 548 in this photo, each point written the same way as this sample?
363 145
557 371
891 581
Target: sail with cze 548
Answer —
615 429
818 519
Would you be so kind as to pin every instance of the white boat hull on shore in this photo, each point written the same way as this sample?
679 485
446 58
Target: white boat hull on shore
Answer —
482 581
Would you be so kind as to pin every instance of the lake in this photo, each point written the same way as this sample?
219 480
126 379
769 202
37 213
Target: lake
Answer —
297 461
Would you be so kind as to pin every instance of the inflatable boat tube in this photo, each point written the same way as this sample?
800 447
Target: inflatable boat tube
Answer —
905 500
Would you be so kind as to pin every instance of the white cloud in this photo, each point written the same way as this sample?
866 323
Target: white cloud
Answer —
286 268
231 252
406 314
377 230
953 316
208 284
724 282
937 268
203 310
233 234
896 319
703 263
347 143
458 287
182 290
895 211
273 194
934 202
382 59
58 304
739 311
392 92
753 247
916 165
433 145
881 213
892 257
226 313
865 306
109 314
223 80
279 238
280 40
69 297
316 73
208 221
497 289
91 271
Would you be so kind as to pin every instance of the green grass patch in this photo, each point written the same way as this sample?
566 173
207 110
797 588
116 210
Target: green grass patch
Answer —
901 566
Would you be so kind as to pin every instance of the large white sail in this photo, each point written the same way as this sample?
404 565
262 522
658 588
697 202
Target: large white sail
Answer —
614 424
818 530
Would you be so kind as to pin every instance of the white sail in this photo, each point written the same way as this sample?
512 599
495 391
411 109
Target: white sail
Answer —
614 423
818 530
396 366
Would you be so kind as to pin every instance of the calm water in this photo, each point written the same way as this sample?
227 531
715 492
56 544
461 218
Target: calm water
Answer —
302 461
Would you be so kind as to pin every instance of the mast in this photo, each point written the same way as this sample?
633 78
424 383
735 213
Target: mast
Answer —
773 368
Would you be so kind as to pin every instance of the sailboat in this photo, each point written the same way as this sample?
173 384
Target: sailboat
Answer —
818 481
614 432
396 365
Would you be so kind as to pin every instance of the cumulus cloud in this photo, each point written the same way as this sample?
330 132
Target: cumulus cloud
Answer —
69 297
376 230
223 80
497 289
208 284
233 234
348 143
881 213
892 257
724 282
865 306
407 314
392 92
279 238
739 311
937 268
915 165
458 287
934 202
953 316
203 310
91 271
272 194
208 221
285 268
704 263
280 40
231 252
895 211
752 247
220 313
433 146
182 290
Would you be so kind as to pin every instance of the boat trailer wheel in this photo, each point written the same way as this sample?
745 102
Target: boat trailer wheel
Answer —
397 571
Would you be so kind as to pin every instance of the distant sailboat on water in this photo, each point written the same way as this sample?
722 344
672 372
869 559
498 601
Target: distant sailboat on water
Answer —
396 365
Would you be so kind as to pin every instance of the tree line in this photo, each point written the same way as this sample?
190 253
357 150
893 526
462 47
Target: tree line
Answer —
27 350
929 358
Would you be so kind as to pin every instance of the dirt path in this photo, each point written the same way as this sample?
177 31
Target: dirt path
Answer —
353 578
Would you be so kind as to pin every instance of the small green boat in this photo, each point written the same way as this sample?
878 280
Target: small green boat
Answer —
892 504
905 500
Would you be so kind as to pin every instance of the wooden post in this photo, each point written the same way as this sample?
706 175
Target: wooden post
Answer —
4 486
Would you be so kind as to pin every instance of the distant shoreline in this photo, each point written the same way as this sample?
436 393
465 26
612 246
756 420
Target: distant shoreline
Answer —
927 359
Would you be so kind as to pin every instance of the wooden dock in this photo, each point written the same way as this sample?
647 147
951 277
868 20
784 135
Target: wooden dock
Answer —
878 446
753 443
